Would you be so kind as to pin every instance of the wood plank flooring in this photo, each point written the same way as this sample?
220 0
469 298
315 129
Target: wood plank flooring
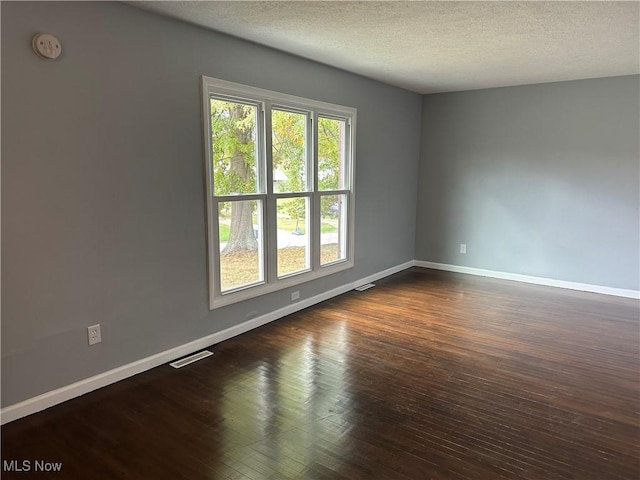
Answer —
429 375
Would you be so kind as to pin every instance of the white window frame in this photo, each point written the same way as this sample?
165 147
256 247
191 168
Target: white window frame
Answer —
267 99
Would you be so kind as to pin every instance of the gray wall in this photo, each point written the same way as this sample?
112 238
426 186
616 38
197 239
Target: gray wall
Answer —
102 185
538 180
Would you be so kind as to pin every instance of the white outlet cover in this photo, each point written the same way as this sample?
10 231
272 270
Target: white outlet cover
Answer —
46 46
93 334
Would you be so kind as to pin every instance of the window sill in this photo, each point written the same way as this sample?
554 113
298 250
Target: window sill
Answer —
288 282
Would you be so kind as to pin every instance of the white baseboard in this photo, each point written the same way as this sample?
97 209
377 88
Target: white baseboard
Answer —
57 396
585 287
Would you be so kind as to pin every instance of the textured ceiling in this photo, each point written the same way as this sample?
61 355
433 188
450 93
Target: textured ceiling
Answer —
430 47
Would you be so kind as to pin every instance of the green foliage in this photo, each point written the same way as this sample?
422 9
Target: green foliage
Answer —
329 153
328 206
224 232
289 225
233 141
293 208
327 228
289 157
288 137
234 155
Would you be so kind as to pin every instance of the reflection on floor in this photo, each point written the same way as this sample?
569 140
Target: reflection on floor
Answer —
428 375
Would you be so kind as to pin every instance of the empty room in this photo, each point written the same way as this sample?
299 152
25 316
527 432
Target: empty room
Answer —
320 240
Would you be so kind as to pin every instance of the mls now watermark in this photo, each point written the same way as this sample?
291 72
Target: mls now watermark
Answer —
30 466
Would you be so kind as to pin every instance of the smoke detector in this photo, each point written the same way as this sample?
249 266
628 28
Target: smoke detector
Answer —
46 46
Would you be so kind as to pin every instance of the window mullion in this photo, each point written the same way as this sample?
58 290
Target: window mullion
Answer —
314 221
271 225
348 152
268 160
292 195
239 198
335 192
312 177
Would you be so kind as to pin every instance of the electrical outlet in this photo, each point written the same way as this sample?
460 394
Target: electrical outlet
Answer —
295 295
463 248
93 332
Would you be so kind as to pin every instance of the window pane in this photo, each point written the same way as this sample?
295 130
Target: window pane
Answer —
333 228
240 227
289 140
234 147
331 154
293 235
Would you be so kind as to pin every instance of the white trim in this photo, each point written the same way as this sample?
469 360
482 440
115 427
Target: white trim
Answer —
382 274
586 287
54 397
265 100
283 282
249 93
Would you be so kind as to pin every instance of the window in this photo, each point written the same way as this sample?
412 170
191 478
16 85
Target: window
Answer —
280 172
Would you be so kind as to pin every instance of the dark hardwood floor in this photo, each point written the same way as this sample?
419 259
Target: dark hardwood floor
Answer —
430 375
